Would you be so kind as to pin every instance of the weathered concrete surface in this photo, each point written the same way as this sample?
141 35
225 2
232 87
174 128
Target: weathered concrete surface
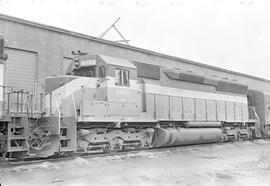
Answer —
241 163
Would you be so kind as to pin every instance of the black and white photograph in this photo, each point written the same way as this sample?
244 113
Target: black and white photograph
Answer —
134 93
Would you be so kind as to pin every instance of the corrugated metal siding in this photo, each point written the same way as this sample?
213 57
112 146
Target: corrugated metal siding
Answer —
21 69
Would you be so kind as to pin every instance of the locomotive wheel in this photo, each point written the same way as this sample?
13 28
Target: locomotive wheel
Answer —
3 150
106 149
238 136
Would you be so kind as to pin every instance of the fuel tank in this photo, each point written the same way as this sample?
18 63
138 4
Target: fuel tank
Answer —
185 136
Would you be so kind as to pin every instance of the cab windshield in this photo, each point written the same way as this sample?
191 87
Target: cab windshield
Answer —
86 72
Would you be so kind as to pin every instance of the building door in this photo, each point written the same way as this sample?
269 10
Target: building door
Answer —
21 70
20 73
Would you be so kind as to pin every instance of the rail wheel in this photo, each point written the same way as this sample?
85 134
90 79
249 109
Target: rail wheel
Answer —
238 136
4 150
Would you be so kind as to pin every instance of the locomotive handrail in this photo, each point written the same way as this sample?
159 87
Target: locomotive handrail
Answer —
259 129
74 106
252 112
19 102
59 113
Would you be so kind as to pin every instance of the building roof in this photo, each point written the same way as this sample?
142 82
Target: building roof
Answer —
104 41
117 61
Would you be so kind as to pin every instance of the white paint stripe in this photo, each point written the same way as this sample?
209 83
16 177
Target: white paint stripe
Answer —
69 88
76 84
157 89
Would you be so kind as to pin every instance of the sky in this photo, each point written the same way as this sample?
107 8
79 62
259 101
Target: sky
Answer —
231 34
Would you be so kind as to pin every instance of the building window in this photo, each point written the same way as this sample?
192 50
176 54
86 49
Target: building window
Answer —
121 77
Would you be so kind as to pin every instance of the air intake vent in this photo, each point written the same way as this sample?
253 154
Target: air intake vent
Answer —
147 70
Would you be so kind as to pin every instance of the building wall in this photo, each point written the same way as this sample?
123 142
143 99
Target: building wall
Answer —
53 46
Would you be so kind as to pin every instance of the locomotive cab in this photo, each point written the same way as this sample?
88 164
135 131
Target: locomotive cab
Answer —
86 66
95 87
116 89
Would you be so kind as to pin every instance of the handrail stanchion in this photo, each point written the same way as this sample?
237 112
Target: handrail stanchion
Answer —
50 103
17 93
21 101
74 105
59 113
41 101
27 105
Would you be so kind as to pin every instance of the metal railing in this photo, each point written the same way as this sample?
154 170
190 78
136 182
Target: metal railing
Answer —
252 113
21 103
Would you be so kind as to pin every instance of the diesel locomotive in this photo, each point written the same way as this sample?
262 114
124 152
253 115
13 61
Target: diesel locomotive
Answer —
104 104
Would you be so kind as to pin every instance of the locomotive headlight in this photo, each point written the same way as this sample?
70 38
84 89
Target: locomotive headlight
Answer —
77 63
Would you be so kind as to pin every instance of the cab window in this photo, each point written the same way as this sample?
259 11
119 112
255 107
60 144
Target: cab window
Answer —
102 71
86 72
122 77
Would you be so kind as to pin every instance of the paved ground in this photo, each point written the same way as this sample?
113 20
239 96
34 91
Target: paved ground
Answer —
241 163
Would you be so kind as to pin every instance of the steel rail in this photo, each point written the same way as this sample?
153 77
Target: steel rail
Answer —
28 161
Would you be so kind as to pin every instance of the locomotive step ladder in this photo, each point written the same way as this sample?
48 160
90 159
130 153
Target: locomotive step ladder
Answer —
14 125
68 134
15 129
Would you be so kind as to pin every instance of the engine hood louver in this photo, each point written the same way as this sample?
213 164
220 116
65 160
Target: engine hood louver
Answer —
184 77
220 85
147 71
232 87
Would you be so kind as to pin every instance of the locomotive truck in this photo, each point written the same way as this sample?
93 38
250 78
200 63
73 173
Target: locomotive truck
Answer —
104 104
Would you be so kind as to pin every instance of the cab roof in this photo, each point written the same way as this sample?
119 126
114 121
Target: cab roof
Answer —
117 61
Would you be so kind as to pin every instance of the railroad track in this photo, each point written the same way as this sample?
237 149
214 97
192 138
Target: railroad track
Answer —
28 161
